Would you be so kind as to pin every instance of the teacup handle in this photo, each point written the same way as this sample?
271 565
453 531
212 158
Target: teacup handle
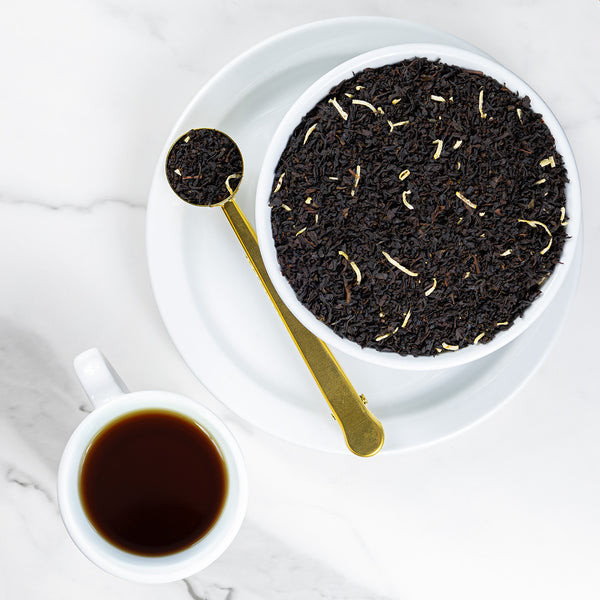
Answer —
98 377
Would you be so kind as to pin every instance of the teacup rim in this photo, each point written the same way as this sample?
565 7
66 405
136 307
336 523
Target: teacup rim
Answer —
160 569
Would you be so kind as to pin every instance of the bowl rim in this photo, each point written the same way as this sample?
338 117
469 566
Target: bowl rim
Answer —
319 90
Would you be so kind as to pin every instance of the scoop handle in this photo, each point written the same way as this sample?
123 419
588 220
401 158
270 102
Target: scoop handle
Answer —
362 431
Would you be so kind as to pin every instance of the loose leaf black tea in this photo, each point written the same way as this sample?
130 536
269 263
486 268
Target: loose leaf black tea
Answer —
153 483
419 207
204 166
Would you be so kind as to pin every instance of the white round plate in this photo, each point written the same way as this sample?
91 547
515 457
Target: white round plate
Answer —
220 318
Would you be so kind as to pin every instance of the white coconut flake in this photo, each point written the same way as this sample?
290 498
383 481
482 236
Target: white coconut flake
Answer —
311 129
398 124
357 272
449 346
380 338
432 288
336 105
398 265
535 224
483 115
228 185
356 179
404 175
367 104
562 216
405 201
438 151
465 200
280 180
406 318
548 161
478 338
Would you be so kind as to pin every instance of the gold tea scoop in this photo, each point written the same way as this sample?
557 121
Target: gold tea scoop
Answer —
204 167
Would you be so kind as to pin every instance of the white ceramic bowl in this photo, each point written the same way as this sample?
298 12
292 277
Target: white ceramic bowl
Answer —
320 89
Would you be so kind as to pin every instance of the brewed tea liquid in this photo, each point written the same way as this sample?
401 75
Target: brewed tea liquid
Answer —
153 483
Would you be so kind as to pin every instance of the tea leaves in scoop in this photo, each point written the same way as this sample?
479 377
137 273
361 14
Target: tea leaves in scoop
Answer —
204 167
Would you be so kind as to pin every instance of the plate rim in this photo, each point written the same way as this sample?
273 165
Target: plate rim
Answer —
336 445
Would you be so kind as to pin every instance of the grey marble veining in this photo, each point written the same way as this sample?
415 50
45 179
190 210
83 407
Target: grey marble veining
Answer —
37 397
258 565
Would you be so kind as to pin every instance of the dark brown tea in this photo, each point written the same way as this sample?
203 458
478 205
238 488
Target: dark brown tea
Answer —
153 483
204 167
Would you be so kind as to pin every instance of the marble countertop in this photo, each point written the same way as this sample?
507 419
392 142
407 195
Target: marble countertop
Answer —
508 509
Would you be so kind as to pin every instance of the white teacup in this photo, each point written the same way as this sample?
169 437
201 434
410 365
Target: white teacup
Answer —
111 401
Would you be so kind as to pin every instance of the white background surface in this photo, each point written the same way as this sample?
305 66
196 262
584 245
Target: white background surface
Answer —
90 90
